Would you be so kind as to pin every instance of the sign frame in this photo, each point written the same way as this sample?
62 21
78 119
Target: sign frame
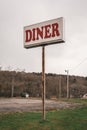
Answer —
48 41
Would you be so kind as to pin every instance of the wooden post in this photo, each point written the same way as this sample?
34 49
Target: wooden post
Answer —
43 80
12 89
60 86
67 84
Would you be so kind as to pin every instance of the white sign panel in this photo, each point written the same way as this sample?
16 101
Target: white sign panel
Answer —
44 33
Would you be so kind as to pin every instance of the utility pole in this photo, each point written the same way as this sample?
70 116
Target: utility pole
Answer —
0 67
67 71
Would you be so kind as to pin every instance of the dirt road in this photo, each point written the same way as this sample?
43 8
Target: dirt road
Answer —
25 105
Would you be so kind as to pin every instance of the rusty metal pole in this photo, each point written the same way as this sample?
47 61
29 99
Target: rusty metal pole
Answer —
43 81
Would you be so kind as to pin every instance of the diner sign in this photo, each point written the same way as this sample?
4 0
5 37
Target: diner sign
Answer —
44 33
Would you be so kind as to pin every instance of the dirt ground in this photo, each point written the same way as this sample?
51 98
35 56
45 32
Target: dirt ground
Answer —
27 105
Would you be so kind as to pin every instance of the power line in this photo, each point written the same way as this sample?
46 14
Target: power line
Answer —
79 64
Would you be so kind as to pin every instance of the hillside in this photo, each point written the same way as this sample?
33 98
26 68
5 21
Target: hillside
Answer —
14 83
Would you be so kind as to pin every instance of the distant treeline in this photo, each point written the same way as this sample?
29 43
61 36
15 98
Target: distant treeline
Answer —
15 84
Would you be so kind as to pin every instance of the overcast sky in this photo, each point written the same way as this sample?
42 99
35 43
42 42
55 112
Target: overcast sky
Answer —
71 55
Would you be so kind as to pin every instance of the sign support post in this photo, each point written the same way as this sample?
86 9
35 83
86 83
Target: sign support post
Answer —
43 81
41 34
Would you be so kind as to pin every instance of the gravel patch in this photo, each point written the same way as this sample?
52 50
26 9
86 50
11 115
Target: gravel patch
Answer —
27 105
